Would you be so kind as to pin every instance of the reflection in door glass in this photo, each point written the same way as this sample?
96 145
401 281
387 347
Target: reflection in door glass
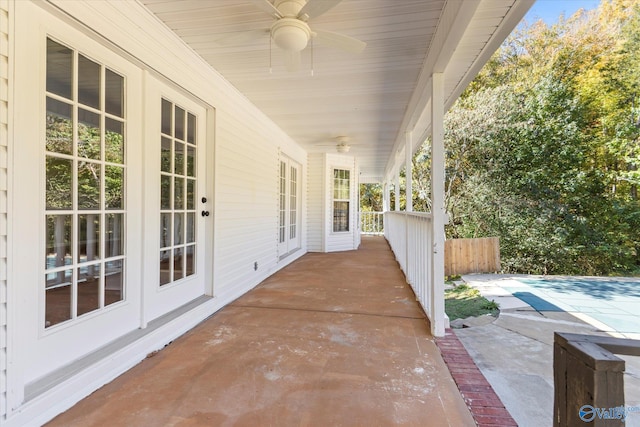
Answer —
59 127
89 288
88 82
114 282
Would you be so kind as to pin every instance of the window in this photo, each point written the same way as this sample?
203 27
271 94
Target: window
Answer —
341 198
84 189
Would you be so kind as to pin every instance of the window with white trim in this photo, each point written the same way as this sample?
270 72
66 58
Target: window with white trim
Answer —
341 199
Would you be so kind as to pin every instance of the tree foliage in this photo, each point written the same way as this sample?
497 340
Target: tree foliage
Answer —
543 148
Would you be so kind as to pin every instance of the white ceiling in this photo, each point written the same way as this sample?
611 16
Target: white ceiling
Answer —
373 97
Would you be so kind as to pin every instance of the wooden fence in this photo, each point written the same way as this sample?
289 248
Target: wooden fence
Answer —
464 256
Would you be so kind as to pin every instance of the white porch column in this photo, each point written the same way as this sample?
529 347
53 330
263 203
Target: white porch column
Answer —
437 202
397 191
408 149
385 196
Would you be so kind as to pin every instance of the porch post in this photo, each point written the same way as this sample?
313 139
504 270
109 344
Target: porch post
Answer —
409 171
385 196
437 202
397 191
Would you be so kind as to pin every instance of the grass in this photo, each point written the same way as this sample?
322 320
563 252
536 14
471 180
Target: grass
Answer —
464 301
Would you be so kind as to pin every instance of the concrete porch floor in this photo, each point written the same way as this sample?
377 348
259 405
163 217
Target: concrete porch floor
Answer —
331 340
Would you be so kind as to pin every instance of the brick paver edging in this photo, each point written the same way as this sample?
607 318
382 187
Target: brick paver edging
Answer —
486 407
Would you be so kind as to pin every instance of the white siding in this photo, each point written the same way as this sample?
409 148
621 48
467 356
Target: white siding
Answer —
4 138
247 206
315 192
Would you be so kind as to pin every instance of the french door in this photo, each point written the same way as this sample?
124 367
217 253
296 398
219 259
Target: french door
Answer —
110 204
178 211
289 206
76 168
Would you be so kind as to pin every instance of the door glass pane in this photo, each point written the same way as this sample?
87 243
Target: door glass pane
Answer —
88 82
179 125
88 185
191 128
178 264
191 260
191 161
178 227
88 288
59 127
114 93
88 237
178 195
165 192
167 117
88 135
191 194
165 155
179 159
58 297
114 187
58 229
114 141
59 193
114 282
191 227
59 69
165 230
114 235
165 267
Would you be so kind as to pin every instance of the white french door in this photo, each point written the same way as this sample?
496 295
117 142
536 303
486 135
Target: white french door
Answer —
178 211
109 198
77 199
289 206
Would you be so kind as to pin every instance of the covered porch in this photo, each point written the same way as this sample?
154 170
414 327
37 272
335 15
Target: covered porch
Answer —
332 339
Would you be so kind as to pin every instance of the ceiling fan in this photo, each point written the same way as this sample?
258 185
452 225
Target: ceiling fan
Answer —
291 32
342 143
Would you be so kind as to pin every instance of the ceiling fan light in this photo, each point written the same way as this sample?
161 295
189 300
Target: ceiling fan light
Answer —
343 148
290 34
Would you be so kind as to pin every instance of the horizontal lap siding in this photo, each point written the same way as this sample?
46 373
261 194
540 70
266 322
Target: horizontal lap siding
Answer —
4 138
246 201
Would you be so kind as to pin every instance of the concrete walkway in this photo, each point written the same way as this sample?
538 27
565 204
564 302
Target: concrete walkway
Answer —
331 340
515 352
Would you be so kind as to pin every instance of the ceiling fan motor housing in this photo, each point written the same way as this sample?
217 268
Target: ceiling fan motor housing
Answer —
289 8
290 34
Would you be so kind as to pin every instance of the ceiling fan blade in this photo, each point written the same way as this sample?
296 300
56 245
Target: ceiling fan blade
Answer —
267 7
340 41
315 8
292 61
242 36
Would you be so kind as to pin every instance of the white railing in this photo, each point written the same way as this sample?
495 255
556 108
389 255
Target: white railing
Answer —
372 222
411 238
